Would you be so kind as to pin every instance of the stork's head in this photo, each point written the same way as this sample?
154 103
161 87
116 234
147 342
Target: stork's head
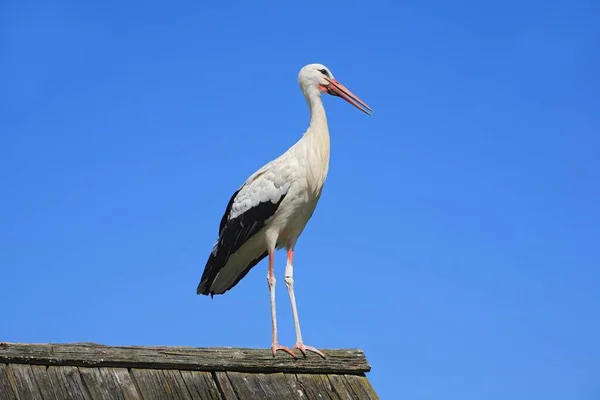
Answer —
317 79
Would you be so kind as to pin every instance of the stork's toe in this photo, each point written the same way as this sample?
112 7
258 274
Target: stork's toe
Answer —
304 348
276 347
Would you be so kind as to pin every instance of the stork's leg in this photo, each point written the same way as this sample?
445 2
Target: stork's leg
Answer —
271 281
289 282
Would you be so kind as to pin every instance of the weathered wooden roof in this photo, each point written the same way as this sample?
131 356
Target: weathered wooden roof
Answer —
92 371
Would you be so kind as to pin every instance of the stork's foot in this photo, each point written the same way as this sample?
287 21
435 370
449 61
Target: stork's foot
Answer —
275 347
304 348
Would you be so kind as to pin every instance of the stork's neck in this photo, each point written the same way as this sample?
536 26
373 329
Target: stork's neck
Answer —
315 142
318 118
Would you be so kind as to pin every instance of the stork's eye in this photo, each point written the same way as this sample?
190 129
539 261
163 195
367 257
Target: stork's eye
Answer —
324 72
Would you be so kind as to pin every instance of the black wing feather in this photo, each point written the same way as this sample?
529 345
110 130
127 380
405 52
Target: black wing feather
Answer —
233 233
227 211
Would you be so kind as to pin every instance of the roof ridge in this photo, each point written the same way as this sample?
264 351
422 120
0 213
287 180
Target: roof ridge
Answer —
88 354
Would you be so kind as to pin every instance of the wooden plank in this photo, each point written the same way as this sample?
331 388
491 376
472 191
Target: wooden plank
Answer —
245 388
175 380
25 384
361 387
315 388
341 387
330 388
103 384
160 385
40 373
6 387
263 386
99 388
277 386
295 385
225 386
124 380
67 383
344 361
201 385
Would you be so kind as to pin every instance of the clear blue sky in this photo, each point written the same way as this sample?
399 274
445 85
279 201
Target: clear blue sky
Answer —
458 237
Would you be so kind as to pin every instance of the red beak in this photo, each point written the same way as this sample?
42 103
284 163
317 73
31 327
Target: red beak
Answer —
337 89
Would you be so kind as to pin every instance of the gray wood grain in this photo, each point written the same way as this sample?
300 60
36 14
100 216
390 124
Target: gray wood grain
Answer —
40 373
25 384
67 383
200 385
344 361
174 379
276 386
333 393
361 387
124 380
225 386
6 389
99 388
246 388
315 388
294 384
263 386
102 384
157 384
340 386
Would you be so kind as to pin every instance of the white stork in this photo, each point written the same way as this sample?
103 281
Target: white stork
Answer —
270 210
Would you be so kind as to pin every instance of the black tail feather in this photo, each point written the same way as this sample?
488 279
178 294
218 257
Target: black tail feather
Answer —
211 271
